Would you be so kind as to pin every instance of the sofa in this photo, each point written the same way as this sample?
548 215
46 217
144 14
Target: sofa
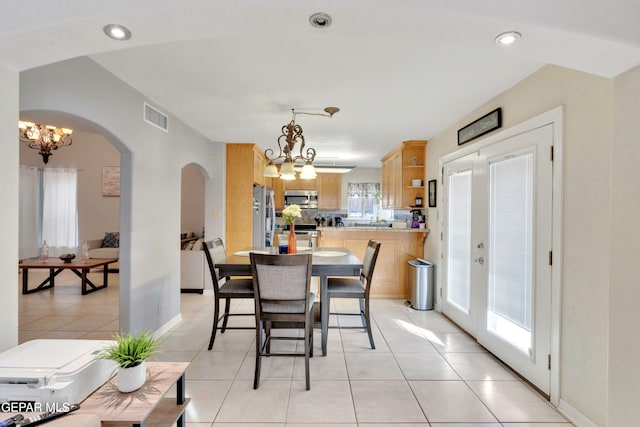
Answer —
193 267
107 247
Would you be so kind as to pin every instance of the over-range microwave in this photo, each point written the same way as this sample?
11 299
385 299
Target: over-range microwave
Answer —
306 199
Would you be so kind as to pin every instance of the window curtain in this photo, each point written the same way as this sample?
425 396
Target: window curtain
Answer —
365 190
29 217
59 210
362 199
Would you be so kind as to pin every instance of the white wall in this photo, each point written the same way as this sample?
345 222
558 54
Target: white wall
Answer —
9 85
151 164
588 133
624 292
88 153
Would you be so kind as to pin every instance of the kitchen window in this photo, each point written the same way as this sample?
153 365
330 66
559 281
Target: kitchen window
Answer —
363 200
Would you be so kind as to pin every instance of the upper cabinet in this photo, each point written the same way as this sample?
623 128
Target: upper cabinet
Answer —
403 174
278 192
328 185
301 184
329 191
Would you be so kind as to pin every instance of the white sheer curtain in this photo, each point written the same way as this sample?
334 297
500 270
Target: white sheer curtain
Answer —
29 222
59 210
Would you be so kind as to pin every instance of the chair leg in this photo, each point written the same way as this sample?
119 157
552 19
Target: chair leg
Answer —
267 331
216 313
368 320
256 378
227 304
363 316
307 342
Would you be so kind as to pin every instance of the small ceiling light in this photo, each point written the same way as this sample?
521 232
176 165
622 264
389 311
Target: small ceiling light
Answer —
117 32
508 38
320 20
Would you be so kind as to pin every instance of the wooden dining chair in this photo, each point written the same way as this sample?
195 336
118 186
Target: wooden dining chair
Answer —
346 287
224 288
283 297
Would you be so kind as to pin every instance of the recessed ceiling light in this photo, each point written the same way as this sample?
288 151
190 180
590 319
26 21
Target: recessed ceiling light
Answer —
508 38
117 32
320 20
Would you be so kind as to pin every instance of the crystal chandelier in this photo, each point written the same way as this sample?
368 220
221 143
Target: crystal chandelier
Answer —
44 138
291 135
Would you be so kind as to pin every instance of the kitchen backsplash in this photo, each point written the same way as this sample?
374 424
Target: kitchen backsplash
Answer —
309 217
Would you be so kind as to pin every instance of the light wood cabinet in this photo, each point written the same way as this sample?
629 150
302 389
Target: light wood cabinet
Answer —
400 167
328 185
245 167
300 184
396 249
329 191
259 163
392 180
278 192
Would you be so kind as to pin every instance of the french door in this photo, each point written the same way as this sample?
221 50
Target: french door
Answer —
497 241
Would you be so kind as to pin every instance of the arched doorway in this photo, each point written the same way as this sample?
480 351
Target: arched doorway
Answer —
62 312
192 205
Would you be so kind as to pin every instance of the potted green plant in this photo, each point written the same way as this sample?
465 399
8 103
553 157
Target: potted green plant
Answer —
130 351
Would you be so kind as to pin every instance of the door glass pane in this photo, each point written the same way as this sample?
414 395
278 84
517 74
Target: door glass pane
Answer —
510 250
459 240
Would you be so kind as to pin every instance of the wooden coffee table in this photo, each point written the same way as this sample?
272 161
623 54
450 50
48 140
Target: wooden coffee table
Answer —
146 406
55 266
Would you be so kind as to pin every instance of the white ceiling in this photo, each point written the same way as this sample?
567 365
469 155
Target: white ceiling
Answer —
398 70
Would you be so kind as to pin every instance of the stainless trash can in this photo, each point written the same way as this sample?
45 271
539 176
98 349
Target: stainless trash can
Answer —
420 284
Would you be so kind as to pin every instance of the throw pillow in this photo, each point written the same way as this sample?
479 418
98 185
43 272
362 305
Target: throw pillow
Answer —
197 246
111 240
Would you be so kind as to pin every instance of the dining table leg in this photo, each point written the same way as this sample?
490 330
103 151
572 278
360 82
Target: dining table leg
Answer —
324 312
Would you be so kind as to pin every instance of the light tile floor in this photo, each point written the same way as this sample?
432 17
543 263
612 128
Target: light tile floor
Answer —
424 371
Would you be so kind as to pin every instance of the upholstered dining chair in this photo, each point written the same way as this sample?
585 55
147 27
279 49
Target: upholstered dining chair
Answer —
283 297
224 288
347 287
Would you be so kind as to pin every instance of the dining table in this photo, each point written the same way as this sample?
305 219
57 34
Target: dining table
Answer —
329 261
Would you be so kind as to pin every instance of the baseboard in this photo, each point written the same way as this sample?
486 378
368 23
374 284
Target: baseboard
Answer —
574 415
167 326
191 291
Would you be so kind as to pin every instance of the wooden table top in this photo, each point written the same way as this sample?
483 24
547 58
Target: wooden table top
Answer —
345 259
112 406
58 263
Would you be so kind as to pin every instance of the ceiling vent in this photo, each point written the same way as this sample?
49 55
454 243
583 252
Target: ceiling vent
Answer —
156 118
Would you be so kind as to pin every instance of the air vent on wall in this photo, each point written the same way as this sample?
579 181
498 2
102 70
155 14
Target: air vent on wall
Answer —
155 117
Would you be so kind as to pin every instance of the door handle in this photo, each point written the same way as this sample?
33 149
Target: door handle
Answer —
479 260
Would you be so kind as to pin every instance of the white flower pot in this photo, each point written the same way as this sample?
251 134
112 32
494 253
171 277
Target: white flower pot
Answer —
131 379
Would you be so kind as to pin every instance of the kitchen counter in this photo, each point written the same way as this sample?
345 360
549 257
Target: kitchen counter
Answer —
373 228
397 247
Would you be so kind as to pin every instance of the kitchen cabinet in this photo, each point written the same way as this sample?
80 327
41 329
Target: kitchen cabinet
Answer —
259 163
392 180
278 192
300 184
400 167
397 247
329 187
245 167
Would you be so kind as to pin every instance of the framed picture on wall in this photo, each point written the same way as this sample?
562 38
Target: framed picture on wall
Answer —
432 193
482 126
111 181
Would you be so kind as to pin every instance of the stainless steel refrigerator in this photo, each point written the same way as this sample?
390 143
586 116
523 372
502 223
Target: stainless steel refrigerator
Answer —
264 216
